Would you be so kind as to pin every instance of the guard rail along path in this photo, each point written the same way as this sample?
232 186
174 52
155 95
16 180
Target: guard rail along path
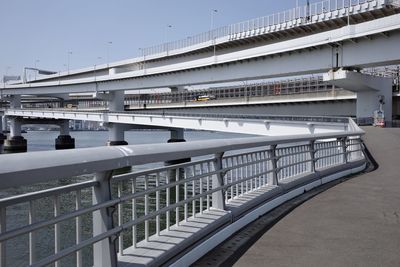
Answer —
156 214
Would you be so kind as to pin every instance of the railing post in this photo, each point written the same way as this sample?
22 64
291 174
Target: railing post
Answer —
104 252
343 141
312 155
218 181
274 162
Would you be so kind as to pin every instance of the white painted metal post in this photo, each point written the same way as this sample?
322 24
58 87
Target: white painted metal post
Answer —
343 142
312 155
104 252
274 163
218 181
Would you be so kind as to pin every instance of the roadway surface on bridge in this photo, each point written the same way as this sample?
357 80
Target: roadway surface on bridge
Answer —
355 223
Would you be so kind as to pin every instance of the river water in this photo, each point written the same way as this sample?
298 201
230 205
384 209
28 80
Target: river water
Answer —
17 249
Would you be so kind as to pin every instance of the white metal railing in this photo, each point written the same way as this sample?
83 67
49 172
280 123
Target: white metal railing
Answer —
298 15
110 213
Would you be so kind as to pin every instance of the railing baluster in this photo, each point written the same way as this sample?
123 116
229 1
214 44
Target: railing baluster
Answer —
167 199
193 192
120 222
78 227
158 203
185 196
32 239
230 165
208 185
241 175
274 163
134 214
177 170
217 197
201 189
57 233
237 176
146 208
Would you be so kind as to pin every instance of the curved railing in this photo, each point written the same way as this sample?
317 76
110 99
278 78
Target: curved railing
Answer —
125 216
301 14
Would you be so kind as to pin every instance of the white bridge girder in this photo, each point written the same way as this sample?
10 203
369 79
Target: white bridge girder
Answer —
366 44
369 89
231 125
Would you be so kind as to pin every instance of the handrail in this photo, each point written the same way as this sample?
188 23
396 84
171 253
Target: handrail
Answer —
46 165
227 170
302 13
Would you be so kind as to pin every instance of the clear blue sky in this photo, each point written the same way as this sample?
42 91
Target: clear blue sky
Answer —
45 30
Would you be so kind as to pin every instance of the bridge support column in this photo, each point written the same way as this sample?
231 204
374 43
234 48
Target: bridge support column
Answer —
64 140
4 121
371 92
116 134
116 131
16 142
177 136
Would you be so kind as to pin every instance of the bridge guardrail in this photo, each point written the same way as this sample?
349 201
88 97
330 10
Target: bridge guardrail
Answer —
161 198
298 15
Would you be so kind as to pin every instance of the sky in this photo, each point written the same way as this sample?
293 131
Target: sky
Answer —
48 33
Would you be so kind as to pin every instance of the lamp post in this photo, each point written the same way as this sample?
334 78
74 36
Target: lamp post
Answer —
144 58
36 61
108 52
68 58
212 37
94 68
166 48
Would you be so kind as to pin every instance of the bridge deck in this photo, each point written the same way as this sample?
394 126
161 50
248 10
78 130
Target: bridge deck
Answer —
356 223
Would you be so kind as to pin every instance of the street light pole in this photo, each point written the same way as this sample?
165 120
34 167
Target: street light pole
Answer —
36 61
212 37
68 55
108 52
165 38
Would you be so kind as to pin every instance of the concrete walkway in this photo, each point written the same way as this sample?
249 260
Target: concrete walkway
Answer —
355 223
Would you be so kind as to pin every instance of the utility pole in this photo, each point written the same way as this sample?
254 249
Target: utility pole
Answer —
68 55
212 36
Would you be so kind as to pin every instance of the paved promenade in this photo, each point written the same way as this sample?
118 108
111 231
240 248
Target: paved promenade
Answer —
355 223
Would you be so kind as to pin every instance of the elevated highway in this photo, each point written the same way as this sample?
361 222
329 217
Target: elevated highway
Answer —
342 45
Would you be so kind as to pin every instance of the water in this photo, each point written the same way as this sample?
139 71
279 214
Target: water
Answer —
17 249
44 140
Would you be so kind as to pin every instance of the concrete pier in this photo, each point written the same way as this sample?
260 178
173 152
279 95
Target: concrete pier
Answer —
116 131
64 140
16 142
177 136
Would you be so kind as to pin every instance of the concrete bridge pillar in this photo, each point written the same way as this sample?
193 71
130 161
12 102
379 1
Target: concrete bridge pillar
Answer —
16 142
177 136
64 140
116 132
371 90
4 122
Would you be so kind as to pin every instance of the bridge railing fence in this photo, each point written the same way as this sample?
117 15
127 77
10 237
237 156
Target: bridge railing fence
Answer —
302 14
109 209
